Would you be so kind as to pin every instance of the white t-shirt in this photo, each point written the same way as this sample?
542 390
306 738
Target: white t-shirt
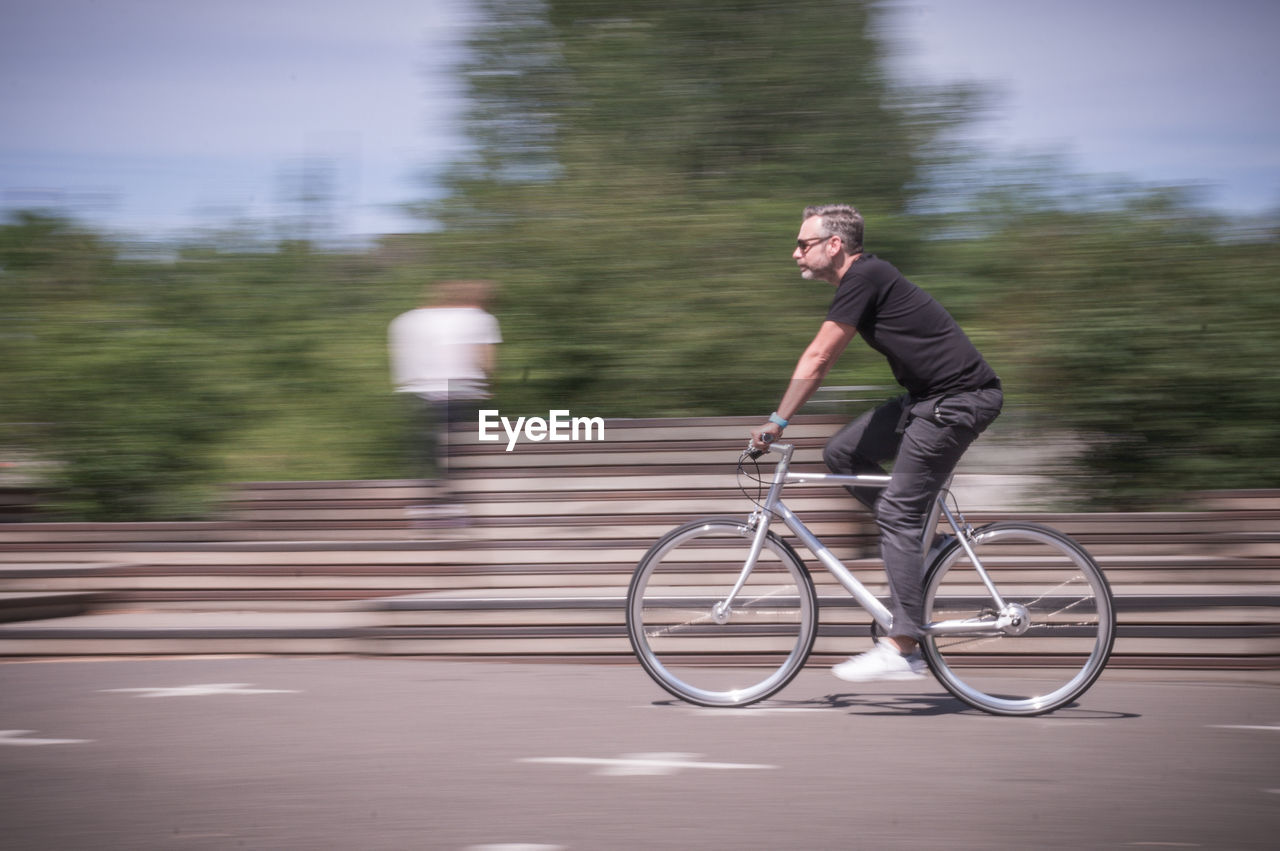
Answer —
436 351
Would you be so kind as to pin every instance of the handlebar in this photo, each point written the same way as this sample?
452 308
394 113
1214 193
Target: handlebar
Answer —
753 453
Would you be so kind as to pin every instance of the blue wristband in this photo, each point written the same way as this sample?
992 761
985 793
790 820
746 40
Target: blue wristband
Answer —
777 420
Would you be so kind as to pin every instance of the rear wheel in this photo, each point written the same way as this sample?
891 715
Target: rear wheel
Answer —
690 645
1058 628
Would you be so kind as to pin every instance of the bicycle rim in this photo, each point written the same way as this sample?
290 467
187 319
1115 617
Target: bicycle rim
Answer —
714 660
1071 620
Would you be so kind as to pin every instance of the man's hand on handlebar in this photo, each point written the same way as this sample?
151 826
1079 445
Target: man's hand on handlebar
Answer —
764 435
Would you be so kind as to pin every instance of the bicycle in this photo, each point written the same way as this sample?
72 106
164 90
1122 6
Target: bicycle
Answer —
722 611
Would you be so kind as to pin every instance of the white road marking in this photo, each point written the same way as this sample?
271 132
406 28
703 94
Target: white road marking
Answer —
645 763
1243 727
202 690
1271 728
514 847
708 712
17 738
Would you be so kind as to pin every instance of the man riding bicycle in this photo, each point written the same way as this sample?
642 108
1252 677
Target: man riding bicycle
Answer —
953 394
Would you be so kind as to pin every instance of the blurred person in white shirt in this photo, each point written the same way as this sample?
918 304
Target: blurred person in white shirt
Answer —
442 355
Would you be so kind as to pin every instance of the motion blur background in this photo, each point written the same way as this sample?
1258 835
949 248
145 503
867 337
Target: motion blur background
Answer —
211 213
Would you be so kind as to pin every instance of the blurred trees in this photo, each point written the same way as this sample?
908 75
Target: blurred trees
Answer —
635 188
91 379
148 382
638 180
1147 327
637 183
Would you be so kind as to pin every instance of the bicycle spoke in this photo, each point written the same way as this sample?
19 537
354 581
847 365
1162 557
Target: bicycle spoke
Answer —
731 660
1061 651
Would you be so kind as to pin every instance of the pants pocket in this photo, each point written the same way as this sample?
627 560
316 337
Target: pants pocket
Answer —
974 410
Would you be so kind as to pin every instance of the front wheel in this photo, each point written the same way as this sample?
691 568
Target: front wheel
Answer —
1058 624
691 644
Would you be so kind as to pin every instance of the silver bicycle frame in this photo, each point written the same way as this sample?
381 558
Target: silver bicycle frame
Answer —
773 506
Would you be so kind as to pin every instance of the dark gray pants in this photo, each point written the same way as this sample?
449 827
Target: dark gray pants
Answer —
927 439
431 424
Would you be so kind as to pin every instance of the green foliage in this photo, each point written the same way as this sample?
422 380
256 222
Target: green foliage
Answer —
149 383
639 172
638 182
635 189
1143 330
92 380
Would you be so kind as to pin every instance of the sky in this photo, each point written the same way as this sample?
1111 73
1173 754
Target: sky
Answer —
160 115
156 117
1164 92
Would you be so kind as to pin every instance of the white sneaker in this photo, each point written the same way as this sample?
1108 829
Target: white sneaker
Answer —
882 662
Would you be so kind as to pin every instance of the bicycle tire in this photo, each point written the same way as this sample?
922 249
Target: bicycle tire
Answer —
1067 641
676 636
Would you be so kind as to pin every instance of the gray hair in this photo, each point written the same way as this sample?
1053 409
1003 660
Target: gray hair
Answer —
839 220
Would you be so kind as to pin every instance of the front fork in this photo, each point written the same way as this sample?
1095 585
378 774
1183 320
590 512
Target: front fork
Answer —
758 523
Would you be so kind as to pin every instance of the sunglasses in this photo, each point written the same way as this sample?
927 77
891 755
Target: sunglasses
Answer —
805 244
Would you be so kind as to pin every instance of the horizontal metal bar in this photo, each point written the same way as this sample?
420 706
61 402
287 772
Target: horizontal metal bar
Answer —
867 481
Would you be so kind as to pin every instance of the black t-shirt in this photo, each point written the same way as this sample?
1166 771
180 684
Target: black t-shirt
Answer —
927 351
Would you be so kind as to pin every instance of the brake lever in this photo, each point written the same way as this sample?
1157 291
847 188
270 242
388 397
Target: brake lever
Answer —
752 452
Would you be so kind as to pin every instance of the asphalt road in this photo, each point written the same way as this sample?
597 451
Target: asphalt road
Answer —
343 753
